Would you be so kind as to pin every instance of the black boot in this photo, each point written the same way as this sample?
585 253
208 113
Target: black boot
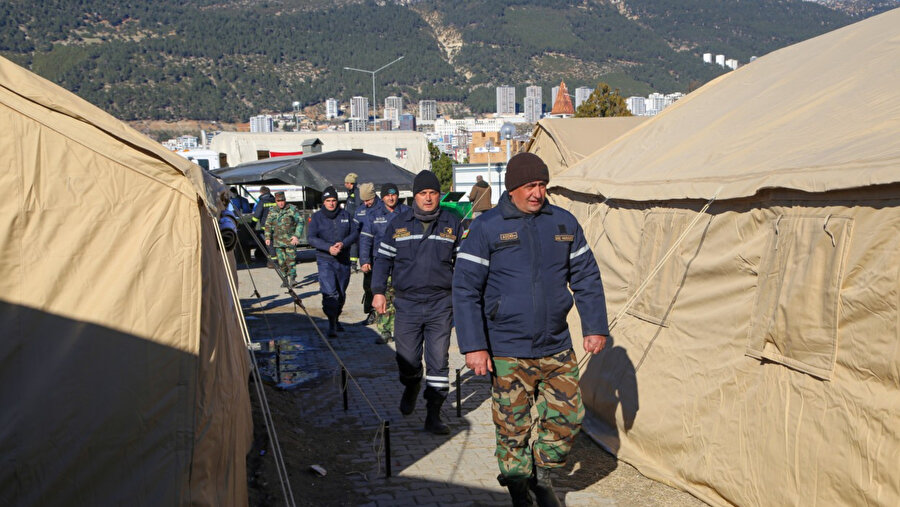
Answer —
284 282
518 490
332 327
408 400
433 421
542 486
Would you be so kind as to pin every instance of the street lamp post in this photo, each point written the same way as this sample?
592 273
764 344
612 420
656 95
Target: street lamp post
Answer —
296 106
507 131
373 72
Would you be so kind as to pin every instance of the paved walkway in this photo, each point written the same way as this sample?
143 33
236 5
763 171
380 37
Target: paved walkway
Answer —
459 469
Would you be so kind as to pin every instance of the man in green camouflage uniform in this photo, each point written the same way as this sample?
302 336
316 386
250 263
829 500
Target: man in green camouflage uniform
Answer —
511 284
284 226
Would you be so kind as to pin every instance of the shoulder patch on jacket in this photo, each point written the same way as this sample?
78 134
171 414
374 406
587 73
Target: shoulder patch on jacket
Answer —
465 234
509 236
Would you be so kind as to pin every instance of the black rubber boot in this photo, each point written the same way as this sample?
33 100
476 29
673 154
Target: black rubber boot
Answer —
408 400
433 422
332 327
518 490
542 486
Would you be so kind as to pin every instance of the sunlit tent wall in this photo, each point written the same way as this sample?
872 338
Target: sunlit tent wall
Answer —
761 364
123 375
562 142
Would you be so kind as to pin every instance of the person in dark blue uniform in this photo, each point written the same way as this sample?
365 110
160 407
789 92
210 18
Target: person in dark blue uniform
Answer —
361 216
511 297
418 251
370 236
331 230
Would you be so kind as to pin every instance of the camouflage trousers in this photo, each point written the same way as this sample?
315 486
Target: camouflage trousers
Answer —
286 258
386 320
552 384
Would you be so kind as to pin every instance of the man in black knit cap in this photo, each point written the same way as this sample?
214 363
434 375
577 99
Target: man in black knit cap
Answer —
418 250
511 295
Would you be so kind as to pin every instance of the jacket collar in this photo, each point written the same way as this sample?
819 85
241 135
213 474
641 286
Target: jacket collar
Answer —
509 210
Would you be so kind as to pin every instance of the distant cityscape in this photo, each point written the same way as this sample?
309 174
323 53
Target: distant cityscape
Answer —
470 138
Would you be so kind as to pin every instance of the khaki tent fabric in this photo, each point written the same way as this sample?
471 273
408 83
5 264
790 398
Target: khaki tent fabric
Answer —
761 364
561 142
816 116
122 369
408 150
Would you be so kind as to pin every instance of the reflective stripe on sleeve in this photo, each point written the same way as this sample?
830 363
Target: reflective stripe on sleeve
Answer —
386 253
473 258
367 234
387 247
578 252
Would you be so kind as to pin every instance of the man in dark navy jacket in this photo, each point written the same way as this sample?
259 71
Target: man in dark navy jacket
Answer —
330 231
418 250
511 298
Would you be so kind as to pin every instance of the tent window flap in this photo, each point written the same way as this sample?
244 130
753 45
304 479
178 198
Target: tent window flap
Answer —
661 230
795 313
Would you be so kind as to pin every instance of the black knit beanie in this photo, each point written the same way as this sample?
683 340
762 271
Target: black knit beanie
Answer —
426 180
389 188
329 192
525 168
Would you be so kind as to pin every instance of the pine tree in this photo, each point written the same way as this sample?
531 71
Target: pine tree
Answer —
603 102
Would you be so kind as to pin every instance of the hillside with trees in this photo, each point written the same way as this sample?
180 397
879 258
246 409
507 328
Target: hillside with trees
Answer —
228 60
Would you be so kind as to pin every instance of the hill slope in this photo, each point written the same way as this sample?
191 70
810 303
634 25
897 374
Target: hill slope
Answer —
227 60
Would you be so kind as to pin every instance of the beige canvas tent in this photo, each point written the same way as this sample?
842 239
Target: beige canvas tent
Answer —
406 149
123 375
562 142
760 363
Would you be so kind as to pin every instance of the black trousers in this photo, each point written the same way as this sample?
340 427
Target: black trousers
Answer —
424 327
367 292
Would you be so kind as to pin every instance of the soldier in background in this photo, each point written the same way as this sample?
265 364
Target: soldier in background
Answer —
284 227
511 299
260 212
351 205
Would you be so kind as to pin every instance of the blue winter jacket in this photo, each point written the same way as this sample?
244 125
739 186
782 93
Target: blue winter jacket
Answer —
324 232
511 284
377 219
420 262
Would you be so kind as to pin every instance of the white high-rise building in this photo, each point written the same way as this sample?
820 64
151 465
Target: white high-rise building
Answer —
731 63
637 105
395 102
393 114
331 109
720 60
534 91
262 123
707 57
506 100
359 108
553 93
427 110
581 94
533 108
656 102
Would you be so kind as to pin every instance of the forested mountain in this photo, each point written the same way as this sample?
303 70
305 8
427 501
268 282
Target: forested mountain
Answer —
226 60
